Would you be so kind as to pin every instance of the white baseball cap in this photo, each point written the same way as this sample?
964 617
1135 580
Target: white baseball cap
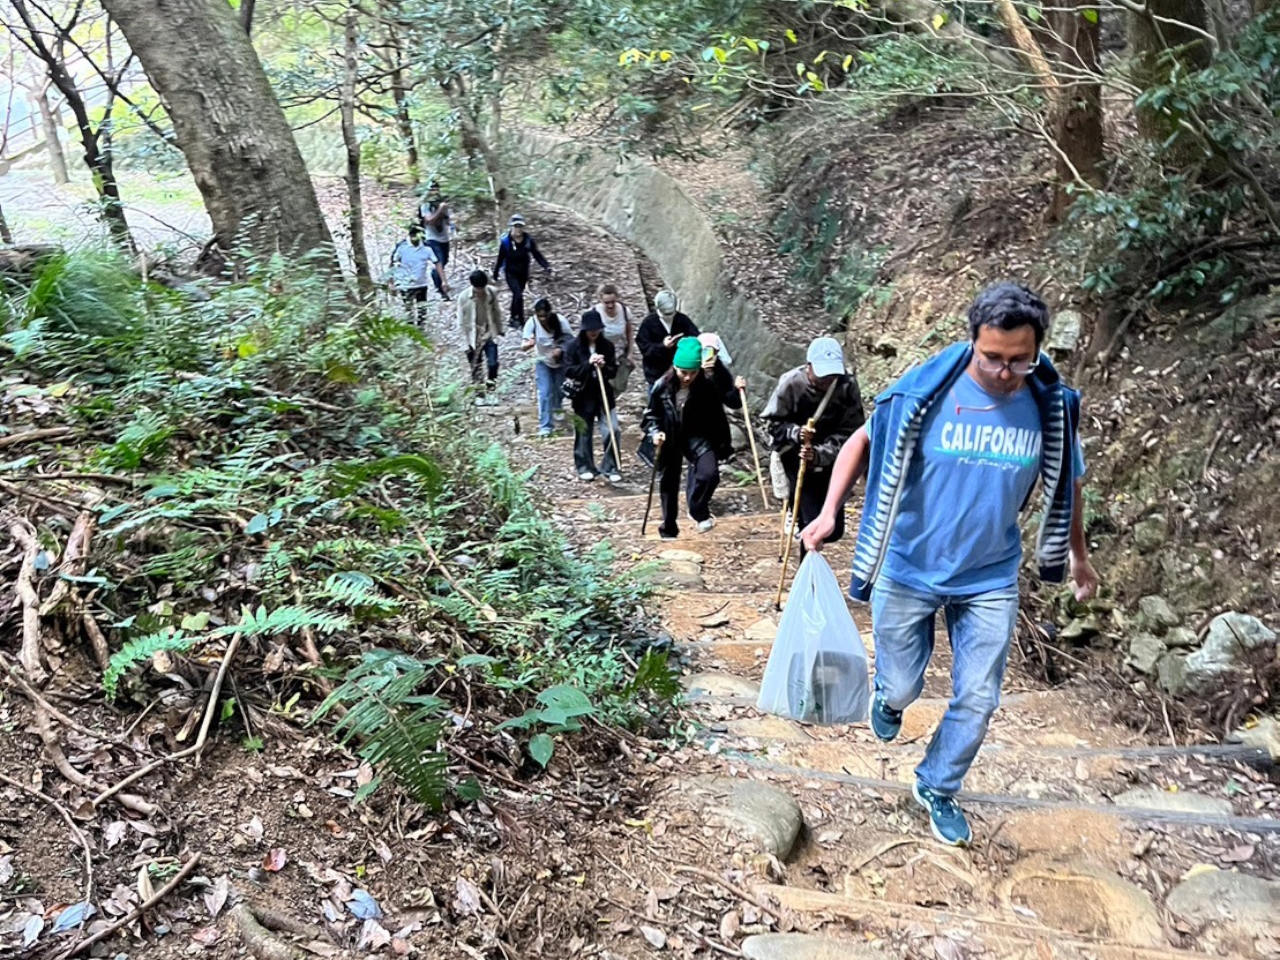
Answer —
826 358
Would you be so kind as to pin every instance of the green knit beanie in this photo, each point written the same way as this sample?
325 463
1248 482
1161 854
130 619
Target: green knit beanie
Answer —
688 354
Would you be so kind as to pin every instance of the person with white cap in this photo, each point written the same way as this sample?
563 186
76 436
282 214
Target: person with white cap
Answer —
798 395
515 249
659 334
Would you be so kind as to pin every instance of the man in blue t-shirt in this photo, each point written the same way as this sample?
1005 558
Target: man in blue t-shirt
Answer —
951 455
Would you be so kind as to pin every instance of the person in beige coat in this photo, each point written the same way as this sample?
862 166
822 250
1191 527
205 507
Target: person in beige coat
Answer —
480 322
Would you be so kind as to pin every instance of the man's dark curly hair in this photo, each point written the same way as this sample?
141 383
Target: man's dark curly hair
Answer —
1008 306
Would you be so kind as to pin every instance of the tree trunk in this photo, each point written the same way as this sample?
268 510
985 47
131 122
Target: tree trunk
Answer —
228 124
52 139
400 96
355 200
475 144
6 235
246 15
1149 38
1077 109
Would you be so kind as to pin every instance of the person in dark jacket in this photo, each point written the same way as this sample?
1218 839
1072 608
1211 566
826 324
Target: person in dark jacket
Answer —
659 334
588 352
515 250
798 395
685 419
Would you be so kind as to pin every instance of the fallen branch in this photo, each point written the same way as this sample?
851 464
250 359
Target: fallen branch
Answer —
737 891
73 560
53 749
134 914
24 535
30 436
101 652
71 824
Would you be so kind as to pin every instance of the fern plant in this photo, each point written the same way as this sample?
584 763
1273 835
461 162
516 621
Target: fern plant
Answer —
399 728
140 649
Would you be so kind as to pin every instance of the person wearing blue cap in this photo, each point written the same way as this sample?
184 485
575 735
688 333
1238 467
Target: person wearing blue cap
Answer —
685 420
796 399
515 249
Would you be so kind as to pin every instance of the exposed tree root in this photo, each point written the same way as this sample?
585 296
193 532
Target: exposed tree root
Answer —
258 940
29 655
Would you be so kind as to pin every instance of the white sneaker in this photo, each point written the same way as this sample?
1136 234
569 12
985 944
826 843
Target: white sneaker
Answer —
614 478
586 475
704 525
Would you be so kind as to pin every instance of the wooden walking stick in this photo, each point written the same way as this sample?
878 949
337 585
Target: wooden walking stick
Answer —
791 527
782 539
746 415
608 419
653 475
788 529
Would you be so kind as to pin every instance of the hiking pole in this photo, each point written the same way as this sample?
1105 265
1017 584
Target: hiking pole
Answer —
782 522
746 415
653 475
791 527
788 535
608 418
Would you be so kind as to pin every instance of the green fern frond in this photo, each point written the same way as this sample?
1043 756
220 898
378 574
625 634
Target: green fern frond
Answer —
140 649
383 331
351 476
357 590
399 729
287 619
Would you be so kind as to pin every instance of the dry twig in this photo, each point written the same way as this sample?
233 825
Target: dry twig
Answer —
737 891
30 436
24 535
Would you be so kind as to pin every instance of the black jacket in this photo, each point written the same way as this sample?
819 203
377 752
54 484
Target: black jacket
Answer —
796 400
577 366
657 358
515 256
703 425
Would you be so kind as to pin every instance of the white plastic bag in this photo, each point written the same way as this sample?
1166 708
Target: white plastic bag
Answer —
818 670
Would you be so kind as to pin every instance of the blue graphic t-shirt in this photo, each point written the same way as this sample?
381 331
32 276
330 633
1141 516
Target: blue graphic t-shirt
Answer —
957 528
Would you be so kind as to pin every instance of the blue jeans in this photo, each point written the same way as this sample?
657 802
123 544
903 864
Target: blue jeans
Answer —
550 383
981 628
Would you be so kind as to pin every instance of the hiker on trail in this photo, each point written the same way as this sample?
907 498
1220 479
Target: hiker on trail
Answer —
656 340
658 335
515 250
434 215
412 261
618 328
588 352
685 420
951 454
549 335
480 322
795 400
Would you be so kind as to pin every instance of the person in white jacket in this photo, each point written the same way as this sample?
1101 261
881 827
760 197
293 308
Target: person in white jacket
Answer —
413 264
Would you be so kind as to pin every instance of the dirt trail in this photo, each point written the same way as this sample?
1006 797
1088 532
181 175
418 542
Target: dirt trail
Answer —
1085 830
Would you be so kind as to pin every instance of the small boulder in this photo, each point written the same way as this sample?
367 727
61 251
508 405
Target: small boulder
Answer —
1064 333
1184 801
1144 652
1231 637
1171 674
763 630
1155 614
1081 629
1150 533
1263 735
1243 908
681 556
720 685
1181 637
765 817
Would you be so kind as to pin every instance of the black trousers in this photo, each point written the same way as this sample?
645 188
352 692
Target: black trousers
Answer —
704 477
516 282
812 498
415 301
441 249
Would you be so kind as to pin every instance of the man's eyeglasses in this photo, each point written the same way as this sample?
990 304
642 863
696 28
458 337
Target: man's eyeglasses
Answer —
1019 368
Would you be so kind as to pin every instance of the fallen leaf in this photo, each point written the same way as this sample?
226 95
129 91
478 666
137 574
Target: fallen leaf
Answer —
215 898
364 775
467 900
6 869
31 929
73 916
145 890
363 906
729 926
1239 854
1082 770
275 860
207 936
945 948
322 949
253 829
657 939
1198 869
114 832
383 851
373 936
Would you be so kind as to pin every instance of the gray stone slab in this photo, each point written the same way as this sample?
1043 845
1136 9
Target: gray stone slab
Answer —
721 685
803 946
1248 907
762 815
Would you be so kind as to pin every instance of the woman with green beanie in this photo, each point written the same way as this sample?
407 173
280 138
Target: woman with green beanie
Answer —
686 418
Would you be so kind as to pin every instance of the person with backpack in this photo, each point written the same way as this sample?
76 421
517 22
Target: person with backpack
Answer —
589 352
656 339
794 402
549 335
516 249
480 323
951 454
685 420
618 328
434 215
412 262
